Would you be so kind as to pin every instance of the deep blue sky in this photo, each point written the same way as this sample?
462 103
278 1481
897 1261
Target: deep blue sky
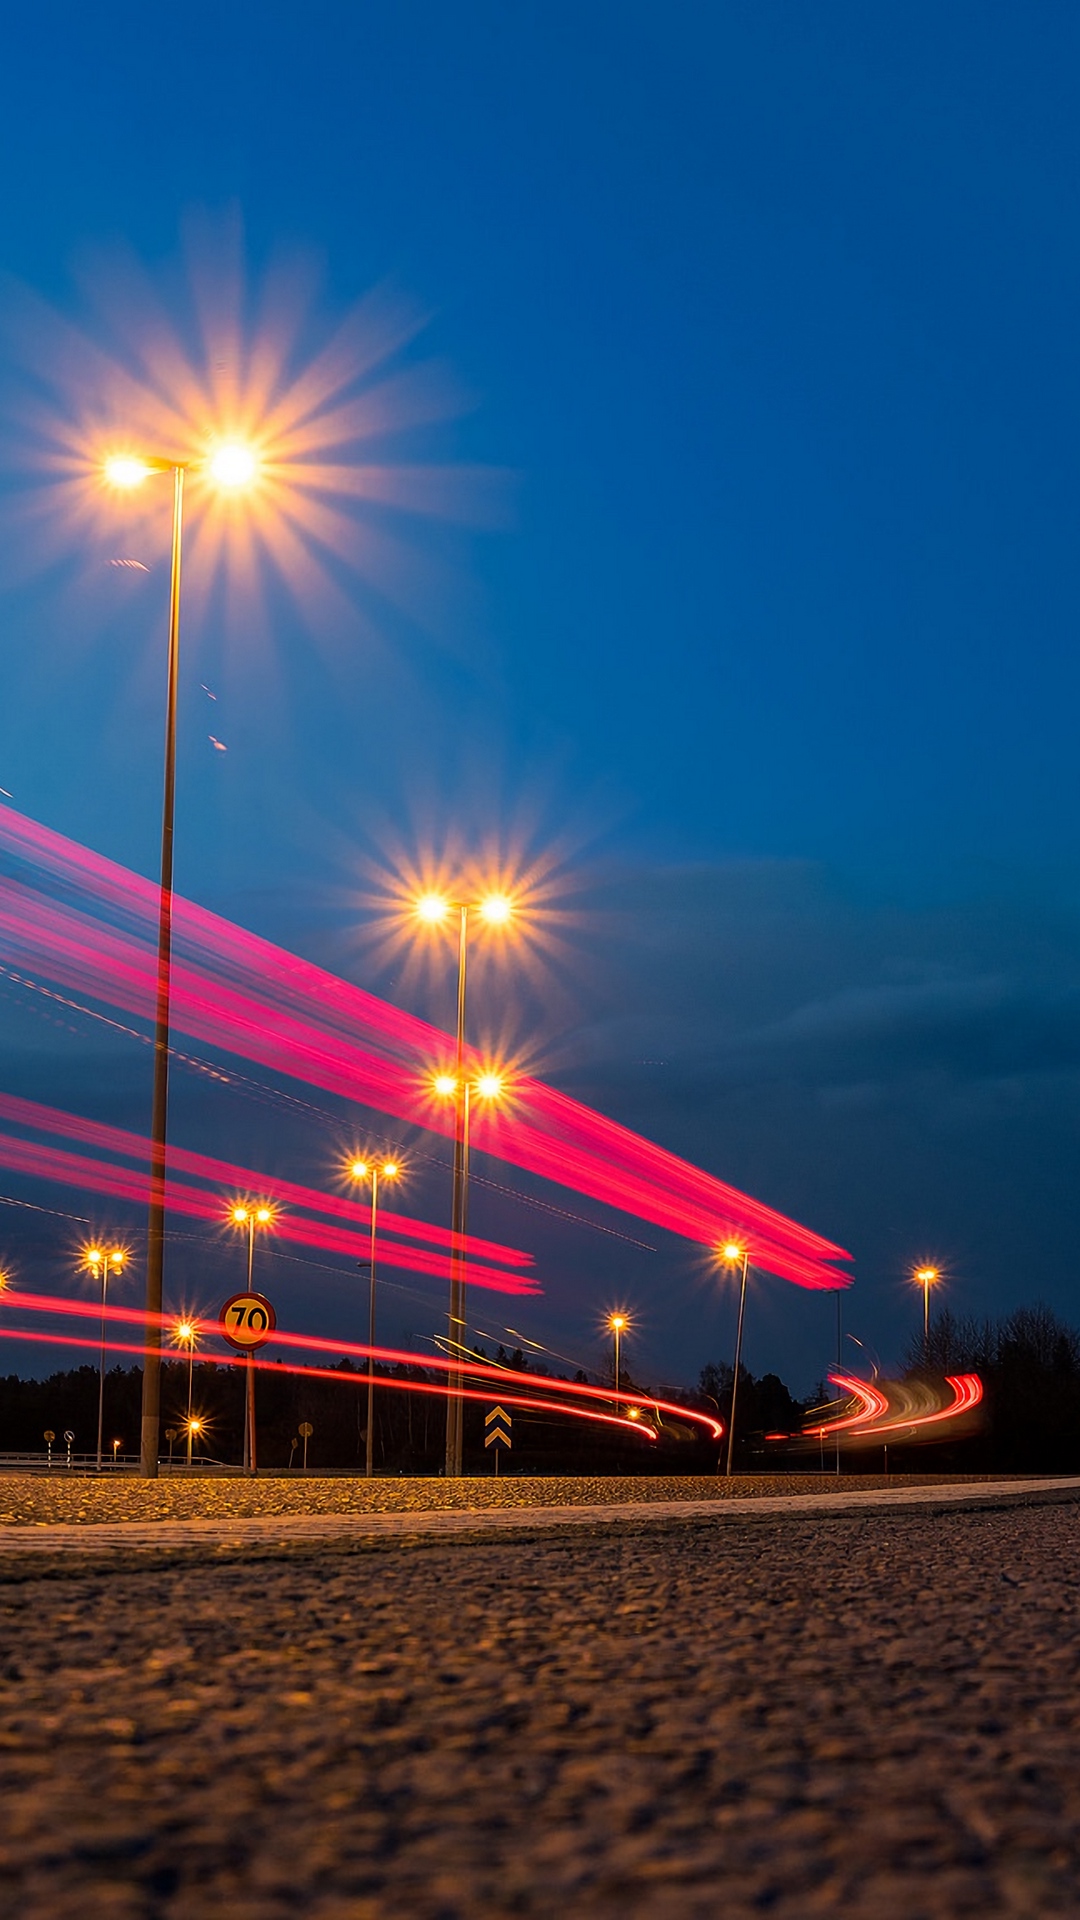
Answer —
772 311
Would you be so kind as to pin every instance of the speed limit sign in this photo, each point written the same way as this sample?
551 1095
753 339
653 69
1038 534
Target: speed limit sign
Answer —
247 1320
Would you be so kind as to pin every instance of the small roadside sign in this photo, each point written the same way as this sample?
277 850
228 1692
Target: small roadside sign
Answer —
497 1428
247 1321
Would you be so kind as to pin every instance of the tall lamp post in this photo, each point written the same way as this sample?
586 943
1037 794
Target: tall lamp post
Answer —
488 1086
250 1218
368 1170
435 910
617 1324
926 1277
185 1334
733 1255
232 467
101 1261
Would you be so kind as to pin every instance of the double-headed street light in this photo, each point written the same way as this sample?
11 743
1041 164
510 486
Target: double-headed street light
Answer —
370 1170
436 910
101 1261
251 1220
734 1255
231 467
457 1087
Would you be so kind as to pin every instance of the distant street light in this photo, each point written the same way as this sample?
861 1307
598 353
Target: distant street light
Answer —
251 1219
926 1277
370 1170
185 1334
436 910
194 1428
487 1086
732 1254
231 467
617 1324
101 1261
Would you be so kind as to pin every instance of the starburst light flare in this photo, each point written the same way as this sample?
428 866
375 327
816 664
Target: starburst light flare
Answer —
298 430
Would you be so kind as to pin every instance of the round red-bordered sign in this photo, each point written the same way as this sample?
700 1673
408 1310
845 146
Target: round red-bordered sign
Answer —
247 1320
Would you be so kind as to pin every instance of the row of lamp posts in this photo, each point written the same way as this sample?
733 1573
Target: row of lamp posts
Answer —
232 468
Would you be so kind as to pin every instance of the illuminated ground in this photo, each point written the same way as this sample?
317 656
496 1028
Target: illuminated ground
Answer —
867 1715
81 1499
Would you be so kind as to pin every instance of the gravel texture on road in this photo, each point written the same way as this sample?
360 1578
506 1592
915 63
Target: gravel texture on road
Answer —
60 1498
867 1715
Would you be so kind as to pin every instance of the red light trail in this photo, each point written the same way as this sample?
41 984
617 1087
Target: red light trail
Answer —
507 1382
225 1175
242 994
908 1407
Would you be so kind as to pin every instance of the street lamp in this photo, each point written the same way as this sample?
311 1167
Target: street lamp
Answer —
368 1170
186 1334
926 1277
101 1261
194 1427
251 1219
732 1254
436 910
617 1325
457 1087
230 467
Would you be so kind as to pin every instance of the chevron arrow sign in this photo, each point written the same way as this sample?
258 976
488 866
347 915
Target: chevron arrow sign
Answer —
497 1425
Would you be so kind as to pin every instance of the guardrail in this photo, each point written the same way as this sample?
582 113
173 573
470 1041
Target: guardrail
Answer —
61 1462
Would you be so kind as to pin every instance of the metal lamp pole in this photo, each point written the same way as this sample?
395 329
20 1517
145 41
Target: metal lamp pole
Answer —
744 1254
99 1263
926 1277
231 467
488 1087
497 910
361 1170
159 1108
617 1322
250 1217
459 1208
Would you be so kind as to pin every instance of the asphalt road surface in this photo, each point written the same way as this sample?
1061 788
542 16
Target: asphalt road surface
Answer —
872 1713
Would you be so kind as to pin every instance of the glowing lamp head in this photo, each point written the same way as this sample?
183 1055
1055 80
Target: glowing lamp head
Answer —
445 1085
94 1256
5 1281
196 1426
496 909
391 1170
117 1258
124 470
926 1276
432 908
618 1323
731 1252
239 1216
233 467
489 1086
359 1169
263 1216
185 1330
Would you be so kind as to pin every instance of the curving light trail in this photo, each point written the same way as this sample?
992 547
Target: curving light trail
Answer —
907 1407
578 1391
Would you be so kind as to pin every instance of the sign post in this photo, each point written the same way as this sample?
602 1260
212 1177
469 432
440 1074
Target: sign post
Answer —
247 1321
306 1431
49 1438
497 1428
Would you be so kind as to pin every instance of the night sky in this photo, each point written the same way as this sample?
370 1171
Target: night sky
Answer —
752 330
